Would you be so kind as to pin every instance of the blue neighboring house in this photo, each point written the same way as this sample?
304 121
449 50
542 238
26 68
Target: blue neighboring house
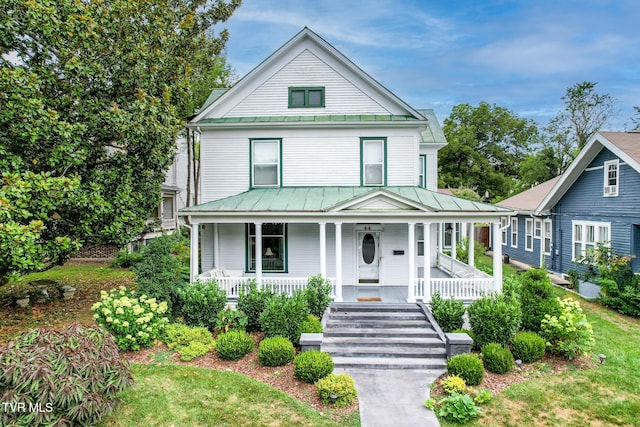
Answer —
596 200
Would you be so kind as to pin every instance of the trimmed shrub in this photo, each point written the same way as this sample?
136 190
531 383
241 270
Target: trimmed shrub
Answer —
341 387
570 334
466 366
312 366
497 359
284 316
312 325
528 347
201 302
536 299
447 312
275 351
77 389
318 295
188 342
134 322
252 301
494 318
234 345
229 319
164 269
453 384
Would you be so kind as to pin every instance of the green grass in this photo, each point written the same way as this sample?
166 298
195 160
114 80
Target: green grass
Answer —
171 395
606 394
487 262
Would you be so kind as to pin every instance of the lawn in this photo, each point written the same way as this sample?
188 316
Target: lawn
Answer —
170 395
608 394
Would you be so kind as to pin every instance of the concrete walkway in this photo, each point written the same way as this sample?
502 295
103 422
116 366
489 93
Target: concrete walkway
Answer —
394 397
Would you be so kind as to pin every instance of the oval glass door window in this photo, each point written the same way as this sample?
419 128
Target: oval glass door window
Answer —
368 248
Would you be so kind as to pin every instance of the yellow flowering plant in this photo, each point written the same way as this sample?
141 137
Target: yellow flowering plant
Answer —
135 321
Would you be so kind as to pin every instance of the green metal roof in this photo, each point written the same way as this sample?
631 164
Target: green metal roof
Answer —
324 199
213 96
325 118
433 133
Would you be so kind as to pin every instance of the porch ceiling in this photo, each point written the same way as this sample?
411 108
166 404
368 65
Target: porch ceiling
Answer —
318 200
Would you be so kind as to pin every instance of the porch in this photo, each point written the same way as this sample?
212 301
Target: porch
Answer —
450 277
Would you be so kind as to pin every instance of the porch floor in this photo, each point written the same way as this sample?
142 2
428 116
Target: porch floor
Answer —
387 293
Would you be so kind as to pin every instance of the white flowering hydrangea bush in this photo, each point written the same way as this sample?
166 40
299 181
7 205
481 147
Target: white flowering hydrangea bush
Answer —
135 322
570 334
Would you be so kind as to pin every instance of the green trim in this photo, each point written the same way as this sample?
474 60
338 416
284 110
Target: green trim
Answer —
279 184
247 251
307 102
384 165
423 162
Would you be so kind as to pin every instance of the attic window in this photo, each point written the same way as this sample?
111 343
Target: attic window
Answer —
306 97
611 178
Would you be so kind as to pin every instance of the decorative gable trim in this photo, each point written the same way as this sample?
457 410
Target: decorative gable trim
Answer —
379 200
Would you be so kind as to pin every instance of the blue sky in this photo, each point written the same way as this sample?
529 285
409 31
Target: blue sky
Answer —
521 55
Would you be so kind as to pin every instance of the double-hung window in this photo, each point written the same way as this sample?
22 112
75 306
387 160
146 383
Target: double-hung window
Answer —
306 97
274 247
611 178
504 222
266 156
420 239
586 235
547 237
373 159
423 171
537 229
528 231
514 232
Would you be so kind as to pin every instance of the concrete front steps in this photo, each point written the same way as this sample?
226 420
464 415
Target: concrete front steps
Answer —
382 336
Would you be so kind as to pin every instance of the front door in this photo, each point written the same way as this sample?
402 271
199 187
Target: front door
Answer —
368 257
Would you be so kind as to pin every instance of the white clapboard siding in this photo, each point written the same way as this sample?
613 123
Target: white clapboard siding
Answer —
402 160
306 70
225 166
394 269
206 248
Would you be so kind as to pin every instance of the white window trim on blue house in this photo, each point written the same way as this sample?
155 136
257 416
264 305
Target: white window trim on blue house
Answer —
514 232
537 229
528 238
611 178
585 235
546 243
504 222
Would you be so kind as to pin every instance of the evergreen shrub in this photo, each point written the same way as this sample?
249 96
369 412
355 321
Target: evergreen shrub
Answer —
468 367
528 347
284 315
536 299
252 302
494 318
449 313
275 351
318 295
201 302
497 359
339 390
234 345
312 325
312 366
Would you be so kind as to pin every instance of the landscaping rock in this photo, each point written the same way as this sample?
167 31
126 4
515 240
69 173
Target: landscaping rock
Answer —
23 302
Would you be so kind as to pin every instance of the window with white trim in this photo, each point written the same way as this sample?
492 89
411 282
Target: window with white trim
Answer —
537 229
528 231
514 232
420 239
265 162
586 235
504 222
373 157
611 178
546 245
423 171
274 247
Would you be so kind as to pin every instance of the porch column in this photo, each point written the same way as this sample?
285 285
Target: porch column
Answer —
471 245
258 226
427 262
195 256
411 297
323 249
338 297
454 241
216 246
497 256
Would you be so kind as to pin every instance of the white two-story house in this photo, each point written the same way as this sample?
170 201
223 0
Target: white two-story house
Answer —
310 166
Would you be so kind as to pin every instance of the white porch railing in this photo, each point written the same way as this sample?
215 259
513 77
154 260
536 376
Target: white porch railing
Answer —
470 288
457 268
288 285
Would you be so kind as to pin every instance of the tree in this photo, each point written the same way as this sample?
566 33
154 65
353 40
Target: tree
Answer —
92 97
585 112
636 120
485 145
540 166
